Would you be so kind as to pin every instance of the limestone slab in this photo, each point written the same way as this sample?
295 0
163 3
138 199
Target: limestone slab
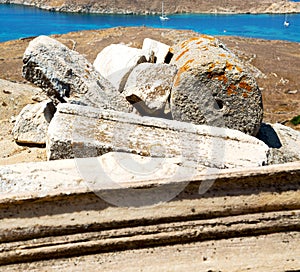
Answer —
40 179
77 131
47 213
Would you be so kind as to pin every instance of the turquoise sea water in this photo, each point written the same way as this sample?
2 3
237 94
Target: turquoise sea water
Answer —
20 21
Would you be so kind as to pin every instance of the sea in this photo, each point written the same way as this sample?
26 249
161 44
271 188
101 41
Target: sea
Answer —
18 21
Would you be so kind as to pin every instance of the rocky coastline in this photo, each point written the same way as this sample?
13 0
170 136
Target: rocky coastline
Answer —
170 7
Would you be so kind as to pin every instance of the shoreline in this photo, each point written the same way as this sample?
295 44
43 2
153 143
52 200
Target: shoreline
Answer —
278 7
148 21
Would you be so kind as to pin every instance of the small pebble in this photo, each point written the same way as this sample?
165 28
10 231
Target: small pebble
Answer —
292 91
12 119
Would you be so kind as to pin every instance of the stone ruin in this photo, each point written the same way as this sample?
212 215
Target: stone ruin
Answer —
195 100
151 131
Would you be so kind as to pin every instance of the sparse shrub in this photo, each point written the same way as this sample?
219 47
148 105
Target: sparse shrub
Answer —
295 120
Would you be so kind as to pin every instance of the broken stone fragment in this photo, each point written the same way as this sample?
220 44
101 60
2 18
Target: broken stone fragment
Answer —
116 61
77 131
121 168
212 86
148 88
284 142
156 49
32 123
66 76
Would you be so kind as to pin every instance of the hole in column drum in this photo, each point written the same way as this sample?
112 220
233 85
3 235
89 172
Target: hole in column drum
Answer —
218 104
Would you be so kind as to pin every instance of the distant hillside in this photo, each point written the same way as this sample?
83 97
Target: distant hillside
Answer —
170 6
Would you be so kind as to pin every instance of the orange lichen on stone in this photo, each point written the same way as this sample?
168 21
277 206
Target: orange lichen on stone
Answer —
222 55
222 78
211 67
245 95
239 68
208 37
229 66
182 69
245 86
209 75
185 43
231 89
181 54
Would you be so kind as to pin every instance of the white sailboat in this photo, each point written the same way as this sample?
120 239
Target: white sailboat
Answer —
163 16
286 23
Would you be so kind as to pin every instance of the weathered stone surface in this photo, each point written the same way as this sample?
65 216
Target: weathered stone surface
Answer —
213 86
77 131
275 252
149 86
32 123
284 142
66 76
122 168
49 213
116 61
160 50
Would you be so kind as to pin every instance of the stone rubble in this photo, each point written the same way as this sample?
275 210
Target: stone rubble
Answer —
116 61
156 48
200 83
32 123
149 87
66 76
284 142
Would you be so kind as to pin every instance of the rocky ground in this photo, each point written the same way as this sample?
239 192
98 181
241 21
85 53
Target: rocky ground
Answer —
276 65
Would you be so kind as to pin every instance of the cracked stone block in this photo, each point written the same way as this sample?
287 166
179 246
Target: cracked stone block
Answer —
32 123
116 61
77 131
148 88
159 50
67 76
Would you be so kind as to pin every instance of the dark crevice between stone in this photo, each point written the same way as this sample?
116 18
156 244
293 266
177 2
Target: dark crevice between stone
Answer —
168 57
49 111
143 110
269 136
31 144
219 104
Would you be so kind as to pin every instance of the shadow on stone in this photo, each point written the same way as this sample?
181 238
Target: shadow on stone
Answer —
49 112
269 136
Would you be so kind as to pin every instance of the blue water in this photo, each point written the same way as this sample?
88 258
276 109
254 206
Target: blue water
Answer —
20 21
